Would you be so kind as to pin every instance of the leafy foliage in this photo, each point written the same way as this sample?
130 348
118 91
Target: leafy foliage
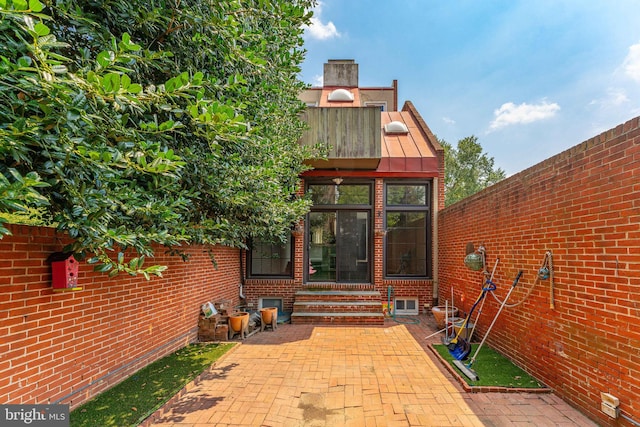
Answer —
467 170
137 122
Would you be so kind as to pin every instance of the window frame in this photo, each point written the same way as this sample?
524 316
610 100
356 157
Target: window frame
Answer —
368 208
249 267
381 104
406 311
279 305
426 208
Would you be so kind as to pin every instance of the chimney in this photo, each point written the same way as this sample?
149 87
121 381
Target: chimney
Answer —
341 73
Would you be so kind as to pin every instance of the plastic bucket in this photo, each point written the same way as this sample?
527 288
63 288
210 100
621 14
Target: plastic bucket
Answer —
450 325
457 326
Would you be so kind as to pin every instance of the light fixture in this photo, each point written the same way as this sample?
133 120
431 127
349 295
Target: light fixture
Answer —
337 181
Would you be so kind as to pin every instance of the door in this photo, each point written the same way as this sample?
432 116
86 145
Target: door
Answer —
339 246
339 231
353 265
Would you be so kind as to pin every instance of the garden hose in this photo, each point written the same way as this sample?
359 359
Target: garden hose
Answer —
545 272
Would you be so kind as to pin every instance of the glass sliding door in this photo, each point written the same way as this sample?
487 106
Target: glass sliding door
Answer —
353 246
322 246
339 233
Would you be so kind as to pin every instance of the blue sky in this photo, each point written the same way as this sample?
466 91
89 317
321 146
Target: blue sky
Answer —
529 78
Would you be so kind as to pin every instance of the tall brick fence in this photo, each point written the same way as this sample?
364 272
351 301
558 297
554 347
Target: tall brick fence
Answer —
66 347
582 205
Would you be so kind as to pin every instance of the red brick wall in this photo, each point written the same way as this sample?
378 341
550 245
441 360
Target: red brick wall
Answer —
66 347
584 206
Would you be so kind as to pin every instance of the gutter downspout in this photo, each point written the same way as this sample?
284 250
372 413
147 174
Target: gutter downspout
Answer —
241 293
434 236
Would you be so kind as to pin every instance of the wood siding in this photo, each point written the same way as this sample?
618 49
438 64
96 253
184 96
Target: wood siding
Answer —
350 134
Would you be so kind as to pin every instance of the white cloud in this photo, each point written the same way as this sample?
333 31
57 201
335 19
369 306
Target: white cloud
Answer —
449 120
318 29
318 80
511 114
614 97
631 64
617 97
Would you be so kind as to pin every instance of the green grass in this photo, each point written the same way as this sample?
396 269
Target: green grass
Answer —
493 369
137 397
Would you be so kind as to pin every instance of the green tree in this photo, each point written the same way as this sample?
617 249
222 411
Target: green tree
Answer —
141 122
467 170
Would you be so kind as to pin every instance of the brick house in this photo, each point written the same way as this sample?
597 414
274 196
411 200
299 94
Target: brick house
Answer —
373 228
370 237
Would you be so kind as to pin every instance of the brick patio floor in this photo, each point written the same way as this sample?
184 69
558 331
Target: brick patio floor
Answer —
303 375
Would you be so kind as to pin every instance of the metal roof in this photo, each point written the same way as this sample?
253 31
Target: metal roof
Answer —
410 152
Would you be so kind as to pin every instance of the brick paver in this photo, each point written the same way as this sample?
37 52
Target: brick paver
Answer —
301 375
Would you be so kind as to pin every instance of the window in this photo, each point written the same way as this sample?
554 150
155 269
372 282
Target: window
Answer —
339 232
408 225
271 259
406 306
271 302
382 105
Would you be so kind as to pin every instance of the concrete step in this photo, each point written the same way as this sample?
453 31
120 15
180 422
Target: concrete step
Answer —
337 295
337 306
337 318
